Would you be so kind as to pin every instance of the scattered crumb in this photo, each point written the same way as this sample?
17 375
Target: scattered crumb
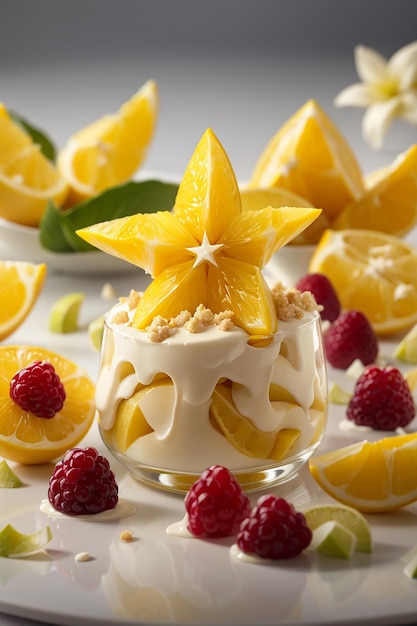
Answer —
126 535
108 292
121 317
291 303
82 557
161 328
133 299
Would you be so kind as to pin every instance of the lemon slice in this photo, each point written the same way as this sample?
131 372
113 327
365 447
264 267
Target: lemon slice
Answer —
8 479
110 150
20 285
64 313
348 517
370 476
372 272
28 180
14 544
333 539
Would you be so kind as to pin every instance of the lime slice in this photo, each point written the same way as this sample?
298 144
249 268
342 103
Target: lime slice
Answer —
95 332
406 350
348 517
8 478
333 539
63 316
14 544
338 395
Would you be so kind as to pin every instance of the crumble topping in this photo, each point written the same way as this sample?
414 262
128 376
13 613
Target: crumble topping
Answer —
289 304
126 535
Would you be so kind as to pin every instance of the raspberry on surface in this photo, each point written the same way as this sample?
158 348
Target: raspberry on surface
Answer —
274 530
216 504
348 338
381 400
38 389
324 293
83 483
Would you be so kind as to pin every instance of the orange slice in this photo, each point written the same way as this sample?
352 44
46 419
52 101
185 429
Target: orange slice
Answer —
207 251
110 150
28 180
370 477
372 272
26 438
20 285
390 204
310 157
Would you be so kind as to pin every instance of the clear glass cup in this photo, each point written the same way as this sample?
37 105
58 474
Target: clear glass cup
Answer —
257 405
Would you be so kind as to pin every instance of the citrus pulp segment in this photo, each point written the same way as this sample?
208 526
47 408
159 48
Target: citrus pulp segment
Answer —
370 477
110 150
243 434
20 285
28 180
390 204
372 272
310 157
347 516
207 251
28 439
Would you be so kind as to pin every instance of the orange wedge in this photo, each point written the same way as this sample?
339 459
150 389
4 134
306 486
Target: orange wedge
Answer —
28 180
370 477
20 285
26 438
310 157
390 203
110 150
372 272
207 251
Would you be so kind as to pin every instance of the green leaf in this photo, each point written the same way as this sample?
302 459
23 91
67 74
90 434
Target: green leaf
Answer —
57 227
38 136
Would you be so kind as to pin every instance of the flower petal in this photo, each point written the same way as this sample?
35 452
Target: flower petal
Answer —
241 287
408 111
357 95
403 65
370 65
377 120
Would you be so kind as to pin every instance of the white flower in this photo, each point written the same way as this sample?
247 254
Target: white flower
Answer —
388 90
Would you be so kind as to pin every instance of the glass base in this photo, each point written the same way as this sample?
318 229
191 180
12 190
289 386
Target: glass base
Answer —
251 479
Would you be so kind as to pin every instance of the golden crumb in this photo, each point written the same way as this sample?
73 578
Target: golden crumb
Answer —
159 329
180 320
121 317
291 304
126 535
133 299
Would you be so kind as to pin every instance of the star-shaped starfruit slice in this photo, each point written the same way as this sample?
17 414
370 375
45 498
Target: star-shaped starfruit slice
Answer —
207 250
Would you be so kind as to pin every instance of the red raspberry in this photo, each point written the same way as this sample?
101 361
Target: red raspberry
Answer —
274 530
323 292
216 504
37 388
381 399
83 483
350 337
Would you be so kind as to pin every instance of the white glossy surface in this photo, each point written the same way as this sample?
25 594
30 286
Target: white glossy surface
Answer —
160 578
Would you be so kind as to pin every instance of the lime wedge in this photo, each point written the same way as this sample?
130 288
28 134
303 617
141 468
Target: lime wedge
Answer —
63 316
95 332
8 478
338 395
348 517
406 350
14 544
410 568
334 539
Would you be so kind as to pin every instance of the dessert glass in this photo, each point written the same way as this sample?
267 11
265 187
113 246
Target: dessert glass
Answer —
169 409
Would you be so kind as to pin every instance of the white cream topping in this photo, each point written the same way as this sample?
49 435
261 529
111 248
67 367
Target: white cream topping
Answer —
184 438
